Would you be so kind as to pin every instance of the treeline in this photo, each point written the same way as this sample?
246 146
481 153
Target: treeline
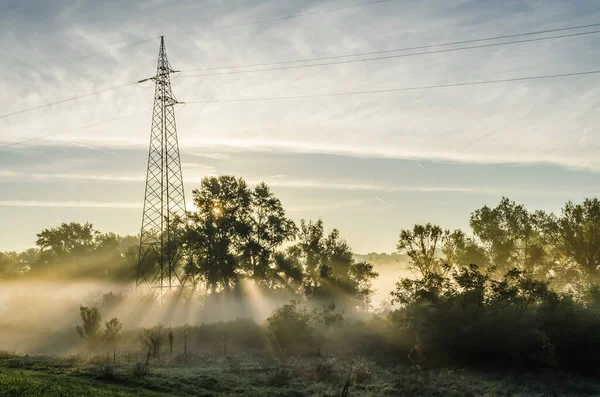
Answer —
74 251
239 232
562 249
519 289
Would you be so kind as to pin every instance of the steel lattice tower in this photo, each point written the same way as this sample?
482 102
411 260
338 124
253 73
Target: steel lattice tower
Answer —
164 205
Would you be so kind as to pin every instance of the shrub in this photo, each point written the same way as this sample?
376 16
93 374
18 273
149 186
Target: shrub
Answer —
281 377
361 371
140 370
323 370
91 322
471 318
152 338
112 329
234 364
291 331
106 372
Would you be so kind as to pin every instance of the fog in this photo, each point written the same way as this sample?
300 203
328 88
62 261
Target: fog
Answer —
41 316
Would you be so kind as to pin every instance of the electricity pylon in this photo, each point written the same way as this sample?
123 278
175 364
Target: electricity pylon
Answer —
160 253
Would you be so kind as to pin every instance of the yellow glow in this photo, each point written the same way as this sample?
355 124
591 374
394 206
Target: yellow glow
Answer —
217 211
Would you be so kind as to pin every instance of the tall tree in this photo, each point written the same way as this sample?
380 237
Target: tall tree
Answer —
362 275
514 237
266 228
578 230
10 266
218 228
329 268
68 238
424 244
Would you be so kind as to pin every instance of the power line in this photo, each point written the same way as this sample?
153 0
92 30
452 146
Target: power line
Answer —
66 100
391 56
404 48
418 88
71 130
287 17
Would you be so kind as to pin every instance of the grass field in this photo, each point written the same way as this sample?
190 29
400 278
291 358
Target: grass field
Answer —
259 375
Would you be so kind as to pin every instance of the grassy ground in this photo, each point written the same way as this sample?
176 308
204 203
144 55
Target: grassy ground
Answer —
259 375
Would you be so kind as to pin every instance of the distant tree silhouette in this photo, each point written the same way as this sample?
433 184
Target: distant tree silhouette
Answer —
514 237
68 238
578 239
330 271
423 243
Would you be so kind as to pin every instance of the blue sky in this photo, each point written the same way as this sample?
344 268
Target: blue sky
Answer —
369 165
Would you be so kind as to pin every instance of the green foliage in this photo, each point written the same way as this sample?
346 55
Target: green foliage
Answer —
514 237
112 329
422 245
292 332
236 232
471 318
140 370
74 250
106 372
578 231
91 320
330 271
68 238
153 339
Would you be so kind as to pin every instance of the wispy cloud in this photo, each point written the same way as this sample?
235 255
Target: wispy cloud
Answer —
69 204
274 181
537 122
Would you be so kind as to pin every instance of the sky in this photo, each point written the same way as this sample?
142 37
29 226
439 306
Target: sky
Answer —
369 165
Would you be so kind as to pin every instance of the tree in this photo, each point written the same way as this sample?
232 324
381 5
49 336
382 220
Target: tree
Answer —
112 329
330 271
68 238
266 229
237 232
10 266
91 320
152 338
291 331
512 236
78 250
459 250
362 275
216 229
423 243
578 230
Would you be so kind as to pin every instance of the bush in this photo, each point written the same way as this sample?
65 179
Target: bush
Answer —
91 320
324 370
234 364
281 377
153 338
291 331
112 329
472 319
106 372
140 370
361 371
